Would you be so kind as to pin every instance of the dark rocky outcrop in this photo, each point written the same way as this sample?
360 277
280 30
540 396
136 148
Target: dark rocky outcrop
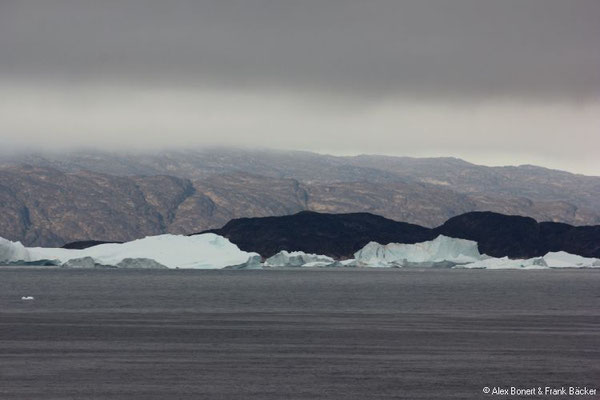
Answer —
497 235
335 235
501 235
340 235
84 244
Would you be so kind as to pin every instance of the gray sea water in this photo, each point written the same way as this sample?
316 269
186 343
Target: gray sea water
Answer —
311 334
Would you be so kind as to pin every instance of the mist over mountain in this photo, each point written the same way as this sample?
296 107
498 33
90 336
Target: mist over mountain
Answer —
51 199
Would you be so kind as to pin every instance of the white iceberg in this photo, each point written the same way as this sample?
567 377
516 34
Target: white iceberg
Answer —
205 251
442 251
298 259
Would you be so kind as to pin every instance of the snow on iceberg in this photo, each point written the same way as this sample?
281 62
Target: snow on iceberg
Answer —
206 251
442 251
297 259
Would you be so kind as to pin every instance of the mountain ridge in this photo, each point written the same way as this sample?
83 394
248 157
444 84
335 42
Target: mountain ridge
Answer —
105 196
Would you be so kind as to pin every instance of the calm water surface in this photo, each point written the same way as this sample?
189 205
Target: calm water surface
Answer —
311 334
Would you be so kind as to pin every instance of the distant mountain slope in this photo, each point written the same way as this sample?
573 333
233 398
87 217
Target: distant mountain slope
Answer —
111 196
340 235
44 206
529 181
48 207
535 183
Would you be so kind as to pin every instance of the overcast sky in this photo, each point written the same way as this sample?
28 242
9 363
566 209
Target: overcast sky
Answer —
493 82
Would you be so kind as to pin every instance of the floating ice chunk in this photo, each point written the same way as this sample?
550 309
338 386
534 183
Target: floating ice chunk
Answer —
507 263
140 263
442 251
208 251
348 263
253 262
297 259
82 262
559 259
316 264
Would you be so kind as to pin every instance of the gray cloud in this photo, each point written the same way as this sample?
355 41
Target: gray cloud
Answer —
494 82
462 48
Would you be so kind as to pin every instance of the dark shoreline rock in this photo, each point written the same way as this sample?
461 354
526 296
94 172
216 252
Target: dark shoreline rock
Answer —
341 235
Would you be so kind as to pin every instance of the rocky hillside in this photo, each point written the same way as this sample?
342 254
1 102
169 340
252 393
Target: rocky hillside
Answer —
531 182
53 199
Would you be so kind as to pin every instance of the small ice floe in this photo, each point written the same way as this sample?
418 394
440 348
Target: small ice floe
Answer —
27 298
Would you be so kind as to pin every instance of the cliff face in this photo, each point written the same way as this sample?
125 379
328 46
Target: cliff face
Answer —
101 196
44 206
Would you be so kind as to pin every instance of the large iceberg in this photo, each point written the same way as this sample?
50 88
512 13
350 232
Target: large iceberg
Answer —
298 259
205 251
443 251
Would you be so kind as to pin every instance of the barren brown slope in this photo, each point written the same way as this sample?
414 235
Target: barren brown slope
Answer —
46 206
576 197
